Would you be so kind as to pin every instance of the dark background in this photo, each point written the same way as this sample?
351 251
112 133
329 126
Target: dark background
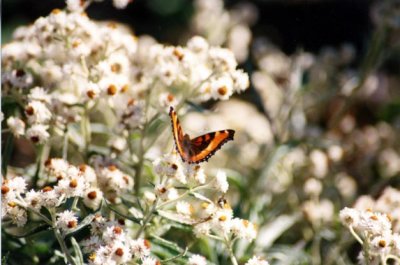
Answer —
291 24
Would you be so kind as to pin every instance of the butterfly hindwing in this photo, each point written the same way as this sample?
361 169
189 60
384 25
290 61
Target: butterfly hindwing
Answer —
204 146
200 148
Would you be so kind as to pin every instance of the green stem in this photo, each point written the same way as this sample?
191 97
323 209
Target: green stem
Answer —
182 195
316 254
230 250
355 235
65 145
147 219
86 131
60 239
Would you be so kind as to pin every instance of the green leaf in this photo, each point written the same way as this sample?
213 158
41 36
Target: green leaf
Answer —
77 251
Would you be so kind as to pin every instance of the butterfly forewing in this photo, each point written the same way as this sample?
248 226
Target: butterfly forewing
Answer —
200 148
178 134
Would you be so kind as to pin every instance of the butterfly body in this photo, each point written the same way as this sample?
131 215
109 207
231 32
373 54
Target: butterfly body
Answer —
200 148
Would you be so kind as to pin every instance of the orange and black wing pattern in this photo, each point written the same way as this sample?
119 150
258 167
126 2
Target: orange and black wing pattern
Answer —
205 146
200 148
178 134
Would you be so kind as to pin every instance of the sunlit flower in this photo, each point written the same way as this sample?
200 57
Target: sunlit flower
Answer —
257 261
197 260
66 220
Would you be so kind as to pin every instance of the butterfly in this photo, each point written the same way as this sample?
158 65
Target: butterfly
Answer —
201 148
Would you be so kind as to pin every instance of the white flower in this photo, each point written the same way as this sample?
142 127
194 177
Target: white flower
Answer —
221 88
92 91
71 187
364 202
87 173
221 181
66 220
202 229
345 184
121 4
374 223
318 212
120 253
200 176
166 100
222 59
172 194
257 261
20 78
57 167
243 229
197 260
38 133
74 5
319 162
16 125
18 215
313 187
149 261
112 179
184 208
101 256
149 197
197 44
118 144
381 244
17 185
349 216
91 244
92 198
396 243
37 112
222 220
335 152
240 80
140 248
34 199
50 198
39 94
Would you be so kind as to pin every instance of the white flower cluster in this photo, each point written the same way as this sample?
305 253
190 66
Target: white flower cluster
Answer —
89 183
72 181
207 216
388 203
257 261
223 27
110 243
374 230
217 219
78 62
211 71
38 115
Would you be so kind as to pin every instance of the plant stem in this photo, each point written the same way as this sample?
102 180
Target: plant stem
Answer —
355 235
182 195
60 239
65 144
147 219
316 255
230 250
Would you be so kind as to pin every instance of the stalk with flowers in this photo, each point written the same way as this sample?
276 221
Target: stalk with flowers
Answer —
93 98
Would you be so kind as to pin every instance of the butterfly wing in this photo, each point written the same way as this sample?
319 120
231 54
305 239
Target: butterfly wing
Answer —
205 146
178 134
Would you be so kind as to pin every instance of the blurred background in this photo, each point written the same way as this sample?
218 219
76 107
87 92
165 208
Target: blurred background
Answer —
290 24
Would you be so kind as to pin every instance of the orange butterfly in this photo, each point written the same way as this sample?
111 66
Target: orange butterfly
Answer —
198 149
